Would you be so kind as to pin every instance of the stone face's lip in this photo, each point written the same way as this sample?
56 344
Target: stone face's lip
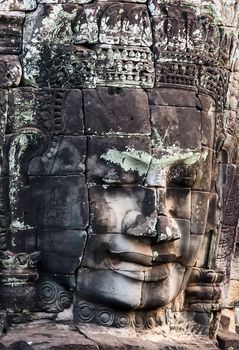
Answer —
134 257
145 260
142 277
139 272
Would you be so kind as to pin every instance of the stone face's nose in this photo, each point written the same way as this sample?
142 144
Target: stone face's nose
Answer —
164 228
135 224
167 229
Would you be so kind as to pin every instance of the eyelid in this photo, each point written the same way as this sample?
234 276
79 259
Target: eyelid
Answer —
182 172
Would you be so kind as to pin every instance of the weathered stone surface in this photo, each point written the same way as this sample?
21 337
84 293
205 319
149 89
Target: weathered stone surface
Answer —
19 298
23 240
117 209
53 241
130 66
62 65
137 31
58 336
204 171
172 97
233 296
115 160
10 71
227 340
113 110
20 5
175 201
172 124
58 263
53 111
11 32
200 203
134 105
59 202
68 158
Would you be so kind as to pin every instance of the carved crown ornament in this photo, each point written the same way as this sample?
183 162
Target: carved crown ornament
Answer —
119 185
134 45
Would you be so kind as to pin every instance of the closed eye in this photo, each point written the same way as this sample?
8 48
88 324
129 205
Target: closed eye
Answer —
182 175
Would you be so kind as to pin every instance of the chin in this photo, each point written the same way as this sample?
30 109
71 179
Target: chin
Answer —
117 291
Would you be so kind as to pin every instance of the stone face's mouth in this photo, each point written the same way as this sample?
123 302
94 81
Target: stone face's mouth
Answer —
137 258
137 266
142 259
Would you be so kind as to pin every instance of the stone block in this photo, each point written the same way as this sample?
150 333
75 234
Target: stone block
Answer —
53 111
54 61
79 2
213 212
208 128
58 202
227 340
65 280
21 112
175 202
202 257
229 184
200 204
11 32
68 158
18 298
3 121
57 263
20 5
105 285
10 71
204 171
172 125
235 265
129 209
136 33
68 242
122 160
172 97
72 112
22 241
233 294
115 110
194 247
114 66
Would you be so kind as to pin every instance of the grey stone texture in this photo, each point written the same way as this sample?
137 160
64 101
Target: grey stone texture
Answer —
119 173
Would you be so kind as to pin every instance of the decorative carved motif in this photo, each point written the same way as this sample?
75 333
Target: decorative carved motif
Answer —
53 298
120 162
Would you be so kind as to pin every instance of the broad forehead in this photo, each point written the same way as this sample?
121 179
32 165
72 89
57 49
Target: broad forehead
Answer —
161 117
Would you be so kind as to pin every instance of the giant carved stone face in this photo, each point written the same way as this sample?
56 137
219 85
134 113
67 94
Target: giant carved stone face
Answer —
148 181
111 153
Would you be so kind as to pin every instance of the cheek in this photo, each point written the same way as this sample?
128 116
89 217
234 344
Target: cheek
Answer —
159 294
193 252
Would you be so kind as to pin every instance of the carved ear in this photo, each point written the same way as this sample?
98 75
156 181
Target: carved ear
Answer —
34 257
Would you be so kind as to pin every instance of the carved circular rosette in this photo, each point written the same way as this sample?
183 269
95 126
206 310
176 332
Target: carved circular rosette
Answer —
64 300
104 317
48 292
122 320
84 312
139 320
150 321
53 298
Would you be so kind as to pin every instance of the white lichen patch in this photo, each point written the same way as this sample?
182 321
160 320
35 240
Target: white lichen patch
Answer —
17 150
141 162
51 29
129 160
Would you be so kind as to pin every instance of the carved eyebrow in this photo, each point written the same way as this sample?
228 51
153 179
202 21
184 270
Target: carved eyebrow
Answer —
137 160
131 159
